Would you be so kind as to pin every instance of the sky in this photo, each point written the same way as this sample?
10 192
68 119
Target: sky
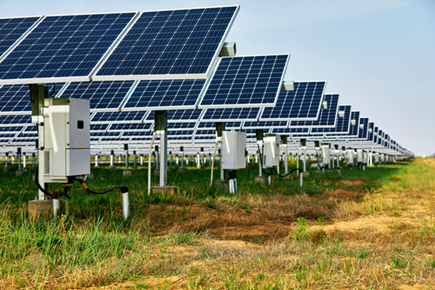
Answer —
379 55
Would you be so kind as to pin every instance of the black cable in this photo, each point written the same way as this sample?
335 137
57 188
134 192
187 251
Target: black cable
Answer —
39 185
273 169
123 189
285 175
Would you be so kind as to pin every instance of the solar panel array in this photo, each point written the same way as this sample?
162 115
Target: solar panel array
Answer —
165 95
12 29
170 42
302 103
102 96
231 114
327 117
65 46
342 123
246 81
129 64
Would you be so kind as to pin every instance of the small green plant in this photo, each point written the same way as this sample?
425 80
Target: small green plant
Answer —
303 230
261 276
362 254
398 263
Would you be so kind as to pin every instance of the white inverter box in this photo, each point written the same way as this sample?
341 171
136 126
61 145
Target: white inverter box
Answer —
233 150
66 138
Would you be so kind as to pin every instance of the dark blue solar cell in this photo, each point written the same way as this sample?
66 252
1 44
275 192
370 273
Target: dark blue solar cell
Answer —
265 124
118 117
231 114
187 115
246 81
353 131
181 126
165 94
81 39
301 103
101 95
11 129
171 42
327 117
362 132
290 131
11 29
370 135
342 123
16 98
10 120
130 127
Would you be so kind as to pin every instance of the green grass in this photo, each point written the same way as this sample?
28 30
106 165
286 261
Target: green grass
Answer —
89 243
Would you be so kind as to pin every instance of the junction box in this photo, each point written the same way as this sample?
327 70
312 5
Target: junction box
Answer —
271 151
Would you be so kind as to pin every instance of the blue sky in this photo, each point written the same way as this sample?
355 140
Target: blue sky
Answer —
378 54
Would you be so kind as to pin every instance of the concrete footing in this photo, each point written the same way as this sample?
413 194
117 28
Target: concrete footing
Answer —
6 169
222 183
181 170
134 167
170 190
306 173
126 173
37 208
203 167
318 171
261 179
156 172
90 176
113 168
19 173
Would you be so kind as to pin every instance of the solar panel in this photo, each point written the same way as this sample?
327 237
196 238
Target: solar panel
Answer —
362 133
7 136
137 133
188 115
16 99
303 103
341 126
165 95
118 117
267 124
102 96
375 135
181 126
170 44
104 134
206 132
11 120
12 30
212 125
11 129
246 81
290 131
130 127
327 117
370 135
99 128
231 115
353 131
63 48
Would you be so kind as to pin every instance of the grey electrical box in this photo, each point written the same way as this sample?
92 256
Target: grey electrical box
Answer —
271 151
326 156
228 49
233 150
66 138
